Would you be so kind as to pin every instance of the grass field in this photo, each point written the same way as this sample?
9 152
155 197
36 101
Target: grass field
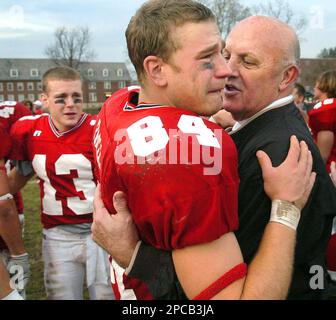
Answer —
33 240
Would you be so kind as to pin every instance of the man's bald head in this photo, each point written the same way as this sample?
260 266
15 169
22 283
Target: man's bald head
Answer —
273 34
263 55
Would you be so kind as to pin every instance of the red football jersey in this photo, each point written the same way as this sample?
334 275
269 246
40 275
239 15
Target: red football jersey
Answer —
323 118
10 112
63 163
5 146
179 172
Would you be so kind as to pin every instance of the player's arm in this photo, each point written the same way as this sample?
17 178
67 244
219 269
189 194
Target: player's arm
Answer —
269 274
11 231
291 181
10 228
223 118
18 178
325 141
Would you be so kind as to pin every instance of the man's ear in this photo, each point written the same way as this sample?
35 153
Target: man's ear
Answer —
154 70
290 75
44 99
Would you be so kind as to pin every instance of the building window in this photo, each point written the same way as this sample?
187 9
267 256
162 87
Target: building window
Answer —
14 73
107 85
30 86
2 97
105 73
39 86
10 86
31 97
120 72
34 73
92 85
121 84
90 72
21 97
20 87
1 86
10 97
93 97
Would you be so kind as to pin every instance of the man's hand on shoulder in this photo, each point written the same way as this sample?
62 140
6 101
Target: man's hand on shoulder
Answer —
115 233
293 180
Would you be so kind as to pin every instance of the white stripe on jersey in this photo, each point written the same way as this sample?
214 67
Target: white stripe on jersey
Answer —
117 280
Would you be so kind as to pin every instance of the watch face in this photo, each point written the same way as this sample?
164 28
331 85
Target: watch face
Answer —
285 210
285 213
282 212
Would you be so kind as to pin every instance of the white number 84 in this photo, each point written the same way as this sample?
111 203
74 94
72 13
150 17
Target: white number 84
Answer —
148 135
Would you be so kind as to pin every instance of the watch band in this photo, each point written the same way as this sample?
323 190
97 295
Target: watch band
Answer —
286 213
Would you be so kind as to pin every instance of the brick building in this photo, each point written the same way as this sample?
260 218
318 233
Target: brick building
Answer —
20 79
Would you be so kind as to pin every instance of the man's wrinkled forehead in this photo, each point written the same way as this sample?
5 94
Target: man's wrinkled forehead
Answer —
252 42
262 33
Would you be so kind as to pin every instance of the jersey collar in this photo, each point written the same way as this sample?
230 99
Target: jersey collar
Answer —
132 105
61 134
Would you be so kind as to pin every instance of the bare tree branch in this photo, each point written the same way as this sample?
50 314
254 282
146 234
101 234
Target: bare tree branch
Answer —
228 13
71 47
281 10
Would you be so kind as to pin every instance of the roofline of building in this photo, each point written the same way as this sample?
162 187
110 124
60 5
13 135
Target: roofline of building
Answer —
317 58
46 59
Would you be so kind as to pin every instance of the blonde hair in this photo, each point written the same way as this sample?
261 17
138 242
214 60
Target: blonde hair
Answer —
150 31
326 82
59 73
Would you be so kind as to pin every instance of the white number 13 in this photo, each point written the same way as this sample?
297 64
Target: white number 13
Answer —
84 183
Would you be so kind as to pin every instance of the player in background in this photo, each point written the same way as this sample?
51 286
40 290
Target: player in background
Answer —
10 229
12 250
57 148
322 122
10 112
322 117
176 205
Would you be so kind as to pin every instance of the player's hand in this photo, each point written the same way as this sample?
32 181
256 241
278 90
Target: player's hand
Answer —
293 180
333 172
19 271
224 119
115 233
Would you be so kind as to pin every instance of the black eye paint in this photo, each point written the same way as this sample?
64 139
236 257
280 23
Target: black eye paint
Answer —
60 101
208 65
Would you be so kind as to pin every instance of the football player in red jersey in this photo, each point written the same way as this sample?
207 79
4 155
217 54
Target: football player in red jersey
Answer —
322 122
10 112
177 203
12 250
322 118
58 147
10 229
